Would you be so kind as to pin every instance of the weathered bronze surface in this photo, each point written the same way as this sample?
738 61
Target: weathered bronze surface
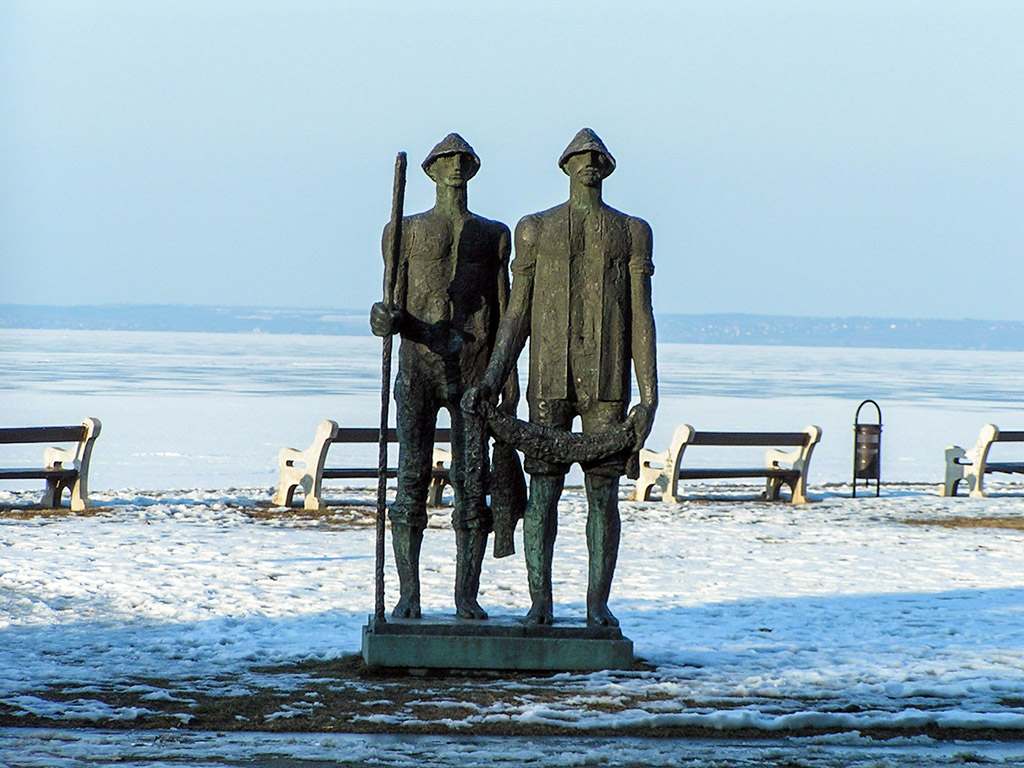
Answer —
451 289
581 293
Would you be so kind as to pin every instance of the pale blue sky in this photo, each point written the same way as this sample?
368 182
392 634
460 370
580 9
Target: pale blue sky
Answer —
855 158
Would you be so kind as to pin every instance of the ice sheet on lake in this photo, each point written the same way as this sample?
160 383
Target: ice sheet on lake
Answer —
206 410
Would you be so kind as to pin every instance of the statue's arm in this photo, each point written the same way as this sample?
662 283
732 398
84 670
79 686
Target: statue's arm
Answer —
645 359
384 319
515 322
510 391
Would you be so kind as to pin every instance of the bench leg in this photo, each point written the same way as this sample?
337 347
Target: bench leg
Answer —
436 492
314 504
803 464
954 469
291 478
290 482
313 501
442 461
52 494
799 489
976 482
57 458
772 488
648 477
978 456
80 494
642 490
283 495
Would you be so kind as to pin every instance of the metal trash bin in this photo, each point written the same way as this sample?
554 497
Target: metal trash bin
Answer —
867 449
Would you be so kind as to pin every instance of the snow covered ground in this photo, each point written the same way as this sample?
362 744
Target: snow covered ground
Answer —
33 748
844 621
839 615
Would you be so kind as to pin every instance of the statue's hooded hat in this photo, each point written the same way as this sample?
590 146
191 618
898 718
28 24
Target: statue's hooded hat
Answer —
586 141
452 144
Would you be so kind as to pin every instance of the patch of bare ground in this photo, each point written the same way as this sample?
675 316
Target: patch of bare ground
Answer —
345 696
355 516
336 515
34 511
1015 523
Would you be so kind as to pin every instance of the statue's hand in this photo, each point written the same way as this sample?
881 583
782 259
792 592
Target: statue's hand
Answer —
642 417
474 397
384 319
509 396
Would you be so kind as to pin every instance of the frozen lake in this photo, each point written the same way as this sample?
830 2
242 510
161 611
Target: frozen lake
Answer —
194 410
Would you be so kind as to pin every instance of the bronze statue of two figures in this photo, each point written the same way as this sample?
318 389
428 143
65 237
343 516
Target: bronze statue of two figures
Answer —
581 293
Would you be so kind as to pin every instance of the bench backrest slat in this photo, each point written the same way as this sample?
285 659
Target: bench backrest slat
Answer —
11 435
749 438
372 435
1010 437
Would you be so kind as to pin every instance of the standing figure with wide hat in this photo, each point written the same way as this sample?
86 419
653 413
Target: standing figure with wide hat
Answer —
451 288
581 292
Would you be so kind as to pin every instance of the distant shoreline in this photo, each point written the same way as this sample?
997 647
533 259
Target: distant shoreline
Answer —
742 329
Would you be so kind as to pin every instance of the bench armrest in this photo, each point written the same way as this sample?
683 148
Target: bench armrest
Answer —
799 460
956 463
79 458
978 455
661 469
305 468
776 457
799 457
973 464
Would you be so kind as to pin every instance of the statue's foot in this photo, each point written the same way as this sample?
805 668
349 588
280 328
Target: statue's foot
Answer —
468 608
540 615
600 616
407 608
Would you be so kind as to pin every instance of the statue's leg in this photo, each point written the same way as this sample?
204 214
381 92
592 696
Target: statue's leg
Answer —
603 528
406 541
540 526
601 480
415 419
471 519
540 521
470 547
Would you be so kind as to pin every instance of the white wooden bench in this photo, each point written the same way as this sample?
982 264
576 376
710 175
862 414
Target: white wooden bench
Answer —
63 468
972 466
306 469
663 469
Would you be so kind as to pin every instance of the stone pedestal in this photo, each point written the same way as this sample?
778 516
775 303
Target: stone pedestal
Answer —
499 643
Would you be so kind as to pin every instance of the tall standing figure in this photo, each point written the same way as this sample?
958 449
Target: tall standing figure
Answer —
451 288
581 292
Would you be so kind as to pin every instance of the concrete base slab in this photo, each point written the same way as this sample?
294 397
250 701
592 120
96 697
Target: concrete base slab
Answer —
498 643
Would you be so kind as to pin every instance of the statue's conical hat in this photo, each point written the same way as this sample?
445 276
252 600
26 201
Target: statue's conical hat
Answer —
452 144
585 141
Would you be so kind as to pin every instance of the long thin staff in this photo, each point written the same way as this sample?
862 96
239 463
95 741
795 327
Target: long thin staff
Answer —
390 273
